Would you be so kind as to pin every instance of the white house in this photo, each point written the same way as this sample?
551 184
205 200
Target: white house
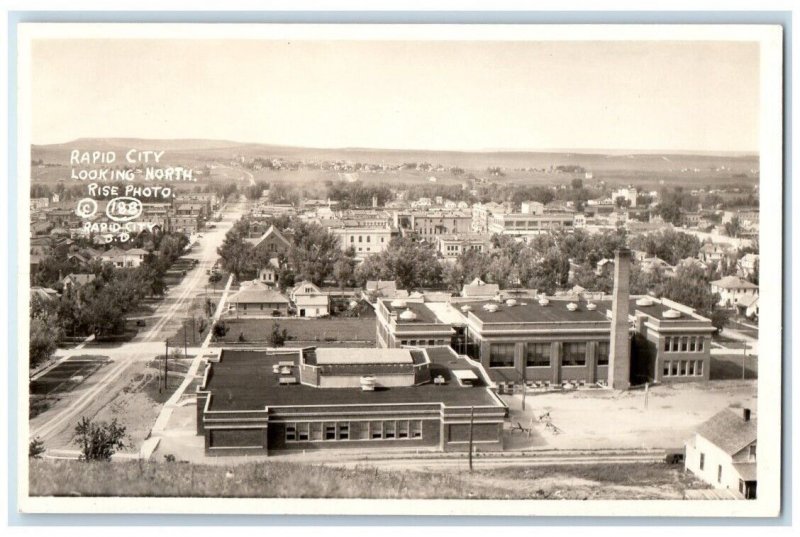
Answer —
747 264
309 300
255 299
479 288
733 289
269 274
748 306
723 452
124 258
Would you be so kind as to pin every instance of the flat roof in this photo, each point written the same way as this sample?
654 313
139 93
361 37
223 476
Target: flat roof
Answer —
529 311
244 380
338 356
421 310
446 312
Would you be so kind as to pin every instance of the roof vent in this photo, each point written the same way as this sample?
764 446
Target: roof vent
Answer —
511 302
672 314
591 306
398 303
490 307
644 301
408 315
466 307
572 306
368 383
543 301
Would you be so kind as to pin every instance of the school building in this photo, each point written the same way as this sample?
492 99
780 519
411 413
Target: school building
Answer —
261 401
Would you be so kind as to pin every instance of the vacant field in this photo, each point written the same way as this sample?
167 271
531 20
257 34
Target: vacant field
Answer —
312 331
289 480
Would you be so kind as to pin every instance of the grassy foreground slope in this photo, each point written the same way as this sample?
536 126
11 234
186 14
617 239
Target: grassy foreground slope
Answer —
289 480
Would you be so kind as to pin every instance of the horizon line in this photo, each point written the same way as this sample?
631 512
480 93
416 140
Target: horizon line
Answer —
576 150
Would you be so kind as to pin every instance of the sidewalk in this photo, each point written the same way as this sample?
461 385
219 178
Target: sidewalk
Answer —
150 445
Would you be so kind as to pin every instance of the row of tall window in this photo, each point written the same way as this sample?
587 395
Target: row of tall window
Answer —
540 354
353 430
683 368
361 238
424 342
684 344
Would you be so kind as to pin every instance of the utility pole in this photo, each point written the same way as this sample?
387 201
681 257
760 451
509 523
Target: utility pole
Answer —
471 424
524 381
166 353
744 355
194 332
185 351
646 392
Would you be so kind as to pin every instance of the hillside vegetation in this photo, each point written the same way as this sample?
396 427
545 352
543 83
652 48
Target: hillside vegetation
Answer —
289 480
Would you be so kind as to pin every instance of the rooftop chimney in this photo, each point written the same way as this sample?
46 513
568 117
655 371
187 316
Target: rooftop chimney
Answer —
746 414
619 363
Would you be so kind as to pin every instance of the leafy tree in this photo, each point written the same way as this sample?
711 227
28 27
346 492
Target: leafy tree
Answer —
314 253
99 441
44 336
719 318
344 271
104 314
278 336
576 183
36 448
411 264
670 245
753 277
235 253
690 286
733 227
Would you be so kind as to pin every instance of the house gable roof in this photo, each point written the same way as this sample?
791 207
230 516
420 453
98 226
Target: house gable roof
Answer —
729 431
258 296
271 232
733 282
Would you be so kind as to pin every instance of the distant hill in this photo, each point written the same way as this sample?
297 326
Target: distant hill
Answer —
198 151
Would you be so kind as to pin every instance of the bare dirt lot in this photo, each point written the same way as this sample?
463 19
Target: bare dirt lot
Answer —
605 419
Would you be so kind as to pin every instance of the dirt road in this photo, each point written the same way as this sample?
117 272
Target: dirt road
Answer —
129 361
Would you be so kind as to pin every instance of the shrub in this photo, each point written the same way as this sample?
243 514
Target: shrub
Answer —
36 448
220 329
278 337
99 441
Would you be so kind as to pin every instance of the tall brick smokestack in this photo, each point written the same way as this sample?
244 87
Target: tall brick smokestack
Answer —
619 363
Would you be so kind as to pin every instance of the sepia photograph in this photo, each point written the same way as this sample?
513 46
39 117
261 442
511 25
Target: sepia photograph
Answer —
400 269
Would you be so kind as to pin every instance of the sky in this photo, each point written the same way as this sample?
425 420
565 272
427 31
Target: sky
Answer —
681 96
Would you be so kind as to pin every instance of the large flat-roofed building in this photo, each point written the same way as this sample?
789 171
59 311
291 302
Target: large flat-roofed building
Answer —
451 246
555 343
521 224
429 224
256 402
402 322
364 240
583 339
